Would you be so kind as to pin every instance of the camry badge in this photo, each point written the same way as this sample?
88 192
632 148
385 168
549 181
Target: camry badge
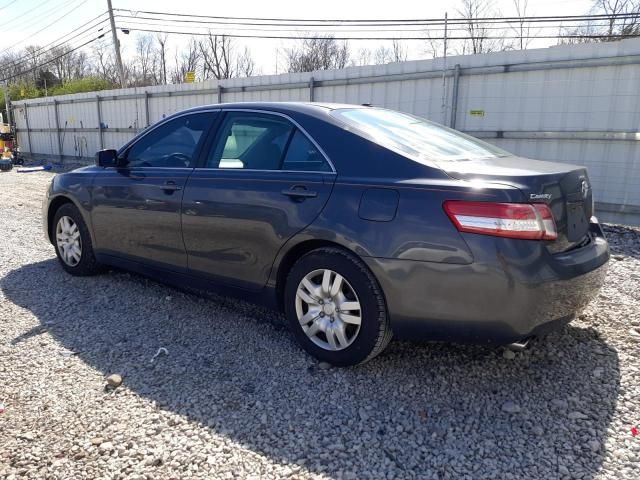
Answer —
540 196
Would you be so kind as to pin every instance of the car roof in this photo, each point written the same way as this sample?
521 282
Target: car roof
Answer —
316 109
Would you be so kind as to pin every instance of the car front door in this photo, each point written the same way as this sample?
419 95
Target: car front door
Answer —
136 206
263 181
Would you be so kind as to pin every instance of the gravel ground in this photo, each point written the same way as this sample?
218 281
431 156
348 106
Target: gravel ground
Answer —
232 396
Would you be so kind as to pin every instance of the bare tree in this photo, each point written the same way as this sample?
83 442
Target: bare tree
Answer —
187 61
67 64
33 57
480 37
10 64
104 64
363 57
396 53
435 45
216 57
318 53
222 59
161 39
246 66
522 28
614 8
623 20
342 55
145 62
399 51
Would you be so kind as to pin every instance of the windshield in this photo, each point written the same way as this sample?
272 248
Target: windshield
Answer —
415 137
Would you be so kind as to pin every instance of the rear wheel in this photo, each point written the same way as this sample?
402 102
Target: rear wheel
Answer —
335 307
72 242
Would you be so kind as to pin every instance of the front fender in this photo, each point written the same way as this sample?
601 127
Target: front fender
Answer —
74 187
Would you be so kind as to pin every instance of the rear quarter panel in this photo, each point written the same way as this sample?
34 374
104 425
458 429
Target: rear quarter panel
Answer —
420 229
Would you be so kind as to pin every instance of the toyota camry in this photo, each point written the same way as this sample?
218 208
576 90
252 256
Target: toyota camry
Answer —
359 223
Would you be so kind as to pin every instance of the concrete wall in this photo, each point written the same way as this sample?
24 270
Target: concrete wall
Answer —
576 104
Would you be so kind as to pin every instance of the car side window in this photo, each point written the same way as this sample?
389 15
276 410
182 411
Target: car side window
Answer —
254 141
303 156
170 145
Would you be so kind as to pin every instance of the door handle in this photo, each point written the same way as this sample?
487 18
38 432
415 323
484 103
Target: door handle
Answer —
170 186
299 193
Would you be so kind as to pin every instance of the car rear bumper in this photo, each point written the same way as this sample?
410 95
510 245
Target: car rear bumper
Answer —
512 290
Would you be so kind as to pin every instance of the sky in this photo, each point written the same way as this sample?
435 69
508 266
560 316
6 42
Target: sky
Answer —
40 22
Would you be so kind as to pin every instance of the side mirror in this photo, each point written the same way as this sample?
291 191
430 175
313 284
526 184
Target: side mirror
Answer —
107 158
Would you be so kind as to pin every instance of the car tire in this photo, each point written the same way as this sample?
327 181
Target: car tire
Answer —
66 222
318 320
5 165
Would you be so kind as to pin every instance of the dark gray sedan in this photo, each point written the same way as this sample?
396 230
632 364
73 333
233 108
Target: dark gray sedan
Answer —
360 223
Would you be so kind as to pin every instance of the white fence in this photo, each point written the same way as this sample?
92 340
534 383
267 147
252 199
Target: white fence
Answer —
576 104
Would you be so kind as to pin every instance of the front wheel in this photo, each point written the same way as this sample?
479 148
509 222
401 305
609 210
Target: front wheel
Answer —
335 308
73 242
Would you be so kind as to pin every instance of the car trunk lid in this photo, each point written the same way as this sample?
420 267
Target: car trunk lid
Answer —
565 188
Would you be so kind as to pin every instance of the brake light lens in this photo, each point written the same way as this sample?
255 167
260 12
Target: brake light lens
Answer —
529 221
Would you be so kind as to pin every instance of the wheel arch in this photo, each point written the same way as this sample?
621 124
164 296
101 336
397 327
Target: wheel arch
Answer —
298 251
54 205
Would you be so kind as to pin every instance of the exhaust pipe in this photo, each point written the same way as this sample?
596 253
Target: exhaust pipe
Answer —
518 346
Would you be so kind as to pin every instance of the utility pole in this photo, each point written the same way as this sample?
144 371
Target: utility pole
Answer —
444 72
6 102
116 44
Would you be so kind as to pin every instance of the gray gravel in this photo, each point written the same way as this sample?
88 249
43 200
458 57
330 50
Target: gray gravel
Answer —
232 395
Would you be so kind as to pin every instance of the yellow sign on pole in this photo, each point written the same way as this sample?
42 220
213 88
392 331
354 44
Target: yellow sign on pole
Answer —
190 77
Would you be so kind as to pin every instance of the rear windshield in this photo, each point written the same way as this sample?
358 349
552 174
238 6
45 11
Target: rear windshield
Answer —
415 137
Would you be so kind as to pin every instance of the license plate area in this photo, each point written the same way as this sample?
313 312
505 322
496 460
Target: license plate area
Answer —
577 222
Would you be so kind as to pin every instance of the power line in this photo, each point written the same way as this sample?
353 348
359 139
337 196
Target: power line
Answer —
9 22
47 26
24 72
38 18
242 27
424 37
387 22
59 42
8 4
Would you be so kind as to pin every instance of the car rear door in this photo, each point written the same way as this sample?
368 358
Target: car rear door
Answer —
136 207
264 180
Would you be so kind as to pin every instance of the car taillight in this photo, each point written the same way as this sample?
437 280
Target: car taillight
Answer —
530 221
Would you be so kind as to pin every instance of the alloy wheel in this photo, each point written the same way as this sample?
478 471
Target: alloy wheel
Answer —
68 241
328 309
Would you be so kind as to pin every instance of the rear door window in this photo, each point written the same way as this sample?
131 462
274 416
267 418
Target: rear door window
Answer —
263 141
303 156
254 141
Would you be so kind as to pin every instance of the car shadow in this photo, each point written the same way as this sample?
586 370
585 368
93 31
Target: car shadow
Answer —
418 410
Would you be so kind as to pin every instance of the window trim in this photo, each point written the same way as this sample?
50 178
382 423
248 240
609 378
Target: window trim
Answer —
296 126
127 146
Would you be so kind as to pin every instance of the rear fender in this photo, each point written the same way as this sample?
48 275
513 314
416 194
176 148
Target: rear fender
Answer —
417 228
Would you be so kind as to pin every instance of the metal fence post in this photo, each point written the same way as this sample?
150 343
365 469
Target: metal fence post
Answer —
312 85
100 135
220 93
26 122
55 111
146 107
454 96
7 102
